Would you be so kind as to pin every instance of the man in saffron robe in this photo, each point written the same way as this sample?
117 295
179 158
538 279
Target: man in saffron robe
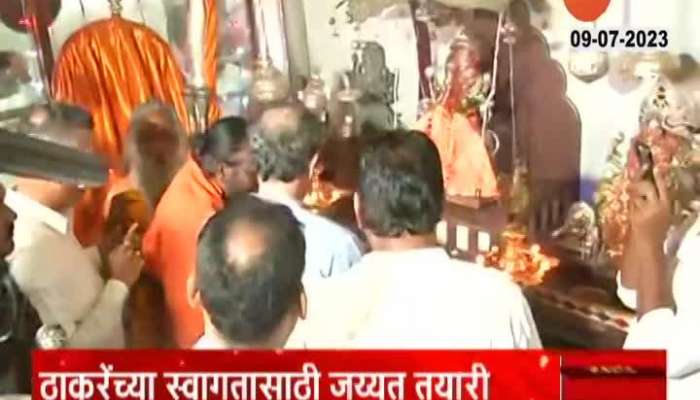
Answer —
222 163
454 125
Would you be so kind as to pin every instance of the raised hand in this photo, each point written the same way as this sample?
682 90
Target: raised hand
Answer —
125 261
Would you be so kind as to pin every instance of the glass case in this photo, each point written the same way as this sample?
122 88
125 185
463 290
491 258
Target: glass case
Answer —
235 49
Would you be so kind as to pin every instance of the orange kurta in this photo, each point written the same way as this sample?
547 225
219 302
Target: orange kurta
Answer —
116 184
170 245
466 165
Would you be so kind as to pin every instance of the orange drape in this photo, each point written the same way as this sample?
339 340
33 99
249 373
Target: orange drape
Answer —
211 52
110 67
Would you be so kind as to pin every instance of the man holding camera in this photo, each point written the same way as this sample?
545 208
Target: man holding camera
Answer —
667 297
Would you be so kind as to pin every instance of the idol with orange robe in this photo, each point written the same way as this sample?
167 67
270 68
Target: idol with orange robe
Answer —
454 126
195 194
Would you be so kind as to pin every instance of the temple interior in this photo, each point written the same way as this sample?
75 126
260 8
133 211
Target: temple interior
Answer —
536 190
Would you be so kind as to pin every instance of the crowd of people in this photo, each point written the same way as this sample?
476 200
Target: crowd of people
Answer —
207 244
213 231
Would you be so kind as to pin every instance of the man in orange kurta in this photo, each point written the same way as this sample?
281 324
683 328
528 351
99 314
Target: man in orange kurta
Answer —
222 164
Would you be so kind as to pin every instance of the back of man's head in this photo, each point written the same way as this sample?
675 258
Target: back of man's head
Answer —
285 140
61 123
250 260
155 148
225 137
401 185
154 107
155 118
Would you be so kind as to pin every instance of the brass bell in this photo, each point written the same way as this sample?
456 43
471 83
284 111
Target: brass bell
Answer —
269 83
588 66
314 95
115 6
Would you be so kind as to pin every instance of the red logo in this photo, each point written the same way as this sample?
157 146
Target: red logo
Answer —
587 10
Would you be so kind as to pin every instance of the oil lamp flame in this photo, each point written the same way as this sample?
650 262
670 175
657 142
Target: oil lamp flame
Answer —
526 264
323 194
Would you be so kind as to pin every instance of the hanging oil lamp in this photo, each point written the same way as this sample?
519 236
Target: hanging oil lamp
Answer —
622 76
423 11
314 97
115 6
588 66
269 83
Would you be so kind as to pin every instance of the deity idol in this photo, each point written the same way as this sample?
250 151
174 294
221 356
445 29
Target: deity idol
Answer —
454 125
666 131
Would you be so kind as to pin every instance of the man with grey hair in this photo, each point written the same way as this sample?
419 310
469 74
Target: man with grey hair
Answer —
155 149
285 142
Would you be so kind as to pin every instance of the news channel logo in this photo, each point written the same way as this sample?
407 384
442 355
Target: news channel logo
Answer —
587 10
624 37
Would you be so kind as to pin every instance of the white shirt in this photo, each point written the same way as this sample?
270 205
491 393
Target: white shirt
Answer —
677 332
62 279
416 299
210 341
330 248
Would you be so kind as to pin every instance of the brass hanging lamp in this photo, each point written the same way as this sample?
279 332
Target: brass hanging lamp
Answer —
269 83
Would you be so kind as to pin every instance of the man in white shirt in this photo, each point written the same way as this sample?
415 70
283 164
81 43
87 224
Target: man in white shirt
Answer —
407 292
61 279
250 261
285 141
667 297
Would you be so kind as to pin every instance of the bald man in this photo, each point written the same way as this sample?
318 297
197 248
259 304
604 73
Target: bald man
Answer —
285 142
250 261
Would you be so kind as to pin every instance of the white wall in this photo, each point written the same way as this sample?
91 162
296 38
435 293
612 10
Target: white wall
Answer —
11 40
